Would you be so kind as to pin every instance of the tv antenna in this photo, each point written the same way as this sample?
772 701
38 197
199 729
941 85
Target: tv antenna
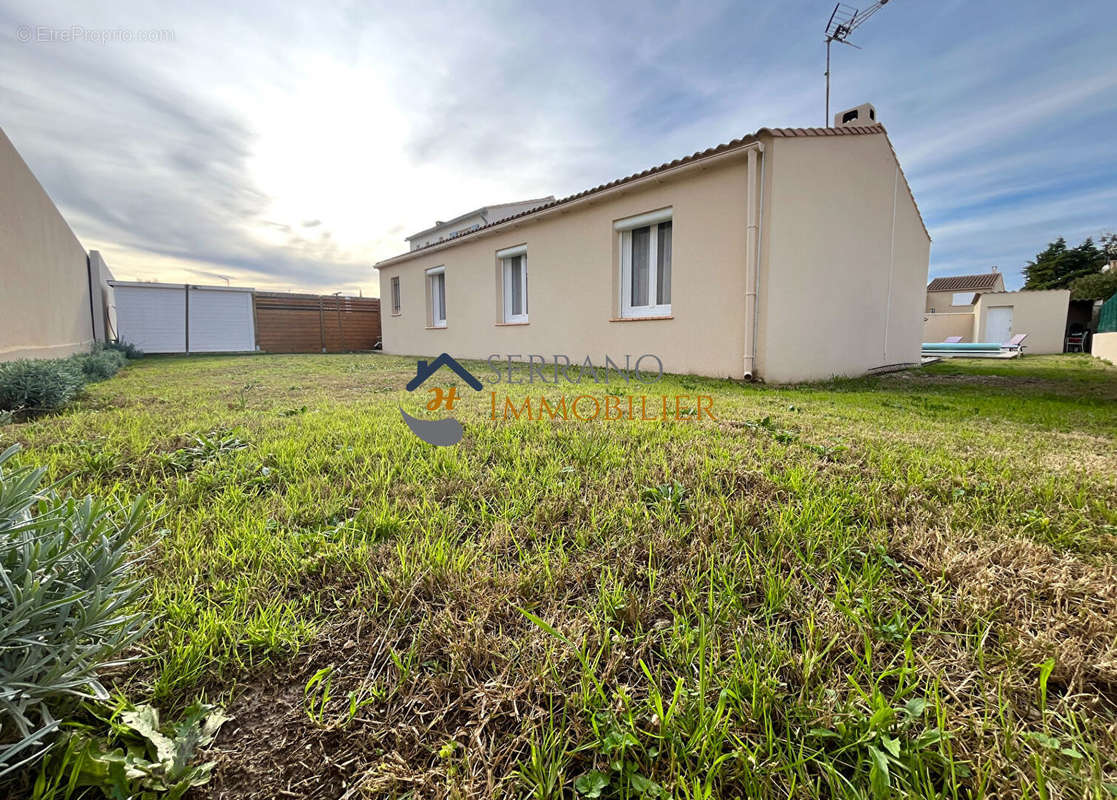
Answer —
844 20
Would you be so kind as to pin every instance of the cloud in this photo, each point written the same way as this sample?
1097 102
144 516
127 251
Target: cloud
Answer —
297 148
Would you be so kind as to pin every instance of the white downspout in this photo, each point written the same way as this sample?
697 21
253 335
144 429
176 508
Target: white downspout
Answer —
752 272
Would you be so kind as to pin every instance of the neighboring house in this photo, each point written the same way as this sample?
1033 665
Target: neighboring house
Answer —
55 297
957 294
790 254
471 221
977 308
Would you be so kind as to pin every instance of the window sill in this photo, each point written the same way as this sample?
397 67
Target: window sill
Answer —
642 319
510 324
397 313
436 327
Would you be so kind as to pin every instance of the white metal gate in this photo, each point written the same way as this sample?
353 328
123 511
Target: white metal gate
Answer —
178 318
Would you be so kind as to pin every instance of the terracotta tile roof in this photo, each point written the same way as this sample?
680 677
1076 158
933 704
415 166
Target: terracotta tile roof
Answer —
735 144
964 283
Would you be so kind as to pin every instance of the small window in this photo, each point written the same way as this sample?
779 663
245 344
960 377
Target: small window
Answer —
395 295
962 299
645 247
513 272
436 293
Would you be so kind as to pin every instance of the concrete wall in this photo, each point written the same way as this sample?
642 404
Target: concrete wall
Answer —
1040 314
104 307
844 264
936 327
1105 347
573 282
45 309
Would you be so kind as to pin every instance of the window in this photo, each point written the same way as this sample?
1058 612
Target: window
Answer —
962 299
645 247
513 276
395 295
436 294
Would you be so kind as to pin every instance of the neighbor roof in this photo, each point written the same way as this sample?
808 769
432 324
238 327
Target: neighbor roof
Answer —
735 144
487 213
964 283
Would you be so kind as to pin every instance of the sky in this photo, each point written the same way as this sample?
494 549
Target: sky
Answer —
291 146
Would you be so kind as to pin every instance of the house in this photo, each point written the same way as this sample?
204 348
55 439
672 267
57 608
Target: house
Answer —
471 221
956 294
979 309
56 298
790 254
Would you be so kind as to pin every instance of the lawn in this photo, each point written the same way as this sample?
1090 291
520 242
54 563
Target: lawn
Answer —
905 583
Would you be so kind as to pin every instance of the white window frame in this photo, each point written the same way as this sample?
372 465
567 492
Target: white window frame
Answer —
624 230
396 295
436 293
507 258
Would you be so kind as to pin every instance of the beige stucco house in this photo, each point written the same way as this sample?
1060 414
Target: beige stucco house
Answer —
791 254
978 309
53 296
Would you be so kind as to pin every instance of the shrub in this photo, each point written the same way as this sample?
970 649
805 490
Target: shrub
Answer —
65 605
99 365
40 385
127 348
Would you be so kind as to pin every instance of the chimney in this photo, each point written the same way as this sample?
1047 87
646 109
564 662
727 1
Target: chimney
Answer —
863 114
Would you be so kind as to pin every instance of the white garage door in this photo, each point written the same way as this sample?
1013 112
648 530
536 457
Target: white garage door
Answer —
221 321
152 318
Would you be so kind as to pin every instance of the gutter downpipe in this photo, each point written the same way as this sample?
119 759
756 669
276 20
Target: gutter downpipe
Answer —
752 271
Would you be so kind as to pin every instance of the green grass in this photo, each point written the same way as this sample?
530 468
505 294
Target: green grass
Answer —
899 585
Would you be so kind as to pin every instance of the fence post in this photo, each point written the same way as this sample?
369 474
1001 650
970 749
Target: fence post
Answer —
340 330
186 322
322 322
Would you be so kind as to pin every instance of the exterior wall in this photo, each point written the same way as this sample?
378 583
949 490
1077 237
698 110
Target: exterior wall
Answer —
936 327
104 323
1040 314
943 303
844 260
1105 347
45 307
573 282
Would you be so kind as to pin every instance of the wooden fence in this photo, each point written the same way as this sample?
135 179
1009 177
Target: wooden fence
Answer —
307 323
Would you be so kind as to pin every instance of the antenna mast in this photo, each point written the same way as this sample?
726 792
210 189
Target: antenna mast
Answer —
844 20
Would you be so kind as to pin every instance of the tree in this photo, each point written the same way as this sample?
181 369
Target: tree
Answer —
1058 266
1099 286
